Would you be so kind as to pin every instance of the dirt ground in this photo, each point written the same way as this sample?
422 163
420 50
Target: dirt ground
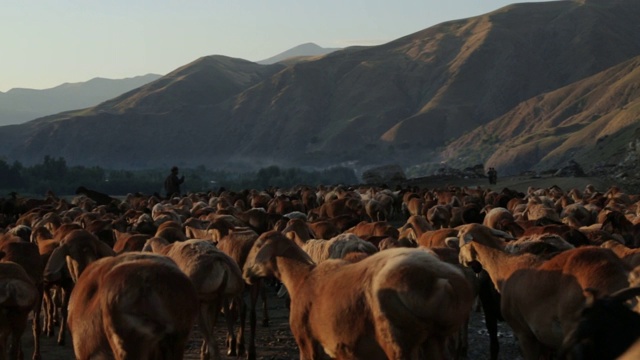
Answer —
276 342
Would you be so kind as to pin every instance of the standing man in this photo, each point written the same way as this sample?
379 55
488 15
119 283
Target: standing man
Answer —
493 176
172 183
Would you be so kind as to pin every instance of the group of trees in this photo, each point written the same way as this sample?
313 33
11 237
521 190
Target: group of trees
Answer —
53 174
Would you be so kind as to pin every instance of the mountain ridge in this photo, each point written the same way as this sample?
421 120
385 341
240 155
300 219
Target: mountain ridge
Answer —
19 105
409 101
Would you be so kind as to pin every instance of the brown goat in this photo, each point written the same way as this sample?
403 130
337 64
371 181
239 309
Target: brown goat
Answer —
125 307
26 254
439 216
216 277
238 244
436 238
77 250
18 295
390 305
631 257
541 300
377 228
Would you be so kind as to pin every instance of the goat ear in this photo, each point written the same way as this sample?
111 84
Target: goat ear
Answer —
591 295
103 249
452 242
411 234
57 260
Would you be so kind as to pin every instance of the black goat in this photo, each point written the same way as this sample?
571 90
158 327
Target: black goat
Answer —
607 327
98 197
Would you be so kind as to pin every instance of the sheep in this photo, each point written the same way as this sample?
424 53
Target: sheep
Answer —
216 277
631 257
546 245
439 216
607 327
324 229
376 211
466 214
171 231
82 248
391 243
436 238
579 212
26 254
377 228
337 247
98 197
299 231
538 244
18 295
541 208
238 244
125 307
130 242
342 206
77 250
413 206
296 215
386 306
502 219
616 223
414 227
541 299
43 238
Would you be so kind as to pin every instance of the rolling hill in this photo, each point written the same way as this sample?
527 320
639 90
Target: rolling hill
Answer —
524 87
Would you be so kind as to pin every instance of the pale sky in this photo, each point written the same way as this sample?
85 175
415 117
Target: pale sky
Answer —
44 43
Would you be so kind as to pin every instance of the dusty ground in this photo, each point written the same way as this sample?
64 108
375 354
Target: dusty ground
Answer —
276 342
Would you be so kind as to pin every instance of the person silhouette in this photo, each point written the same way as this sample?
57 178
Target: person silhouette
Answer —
493 176
172 183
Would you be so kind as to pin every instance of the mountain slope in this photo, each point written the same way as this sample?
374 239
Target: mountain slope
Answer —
398 102
20 105
591 121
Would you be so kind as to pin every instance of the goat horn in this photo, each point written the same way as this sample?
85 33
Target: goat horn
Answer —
625 294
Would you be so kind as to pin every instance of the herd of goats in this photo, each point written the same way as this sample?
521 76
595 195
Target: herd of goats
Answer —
369 273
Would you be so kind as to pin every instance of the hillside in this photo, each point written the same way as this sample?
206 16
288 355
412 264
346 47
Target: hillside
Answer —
20 105
401 102
592 121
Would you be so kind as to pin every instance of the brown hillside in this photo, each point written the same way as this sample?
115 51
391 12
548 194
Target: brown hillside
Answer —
395 103
591 121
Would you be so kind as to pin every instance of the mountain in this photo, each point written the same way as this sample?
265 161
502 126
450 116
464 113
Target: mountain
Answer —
592 121
300 52
19 105
509 88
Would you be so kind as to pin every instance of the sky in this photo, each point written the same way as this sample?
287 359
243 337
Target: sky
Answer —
45 43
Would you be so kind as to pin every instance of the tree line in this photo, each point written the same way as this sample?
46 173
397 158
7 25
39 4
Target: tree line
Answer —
53 174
